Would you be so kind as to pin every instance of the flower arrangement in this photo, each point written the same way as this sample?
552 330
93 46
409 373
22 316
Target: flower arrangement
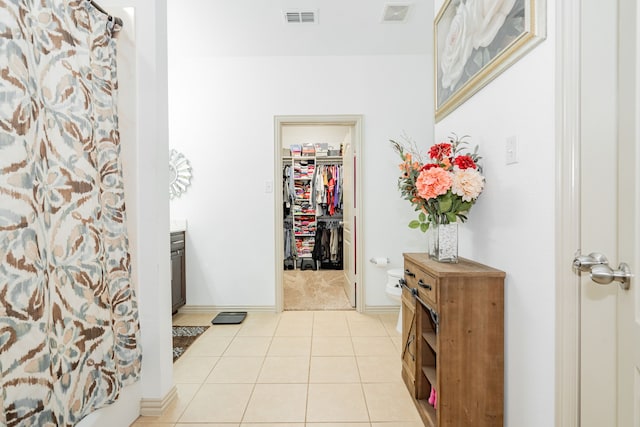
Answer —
444 188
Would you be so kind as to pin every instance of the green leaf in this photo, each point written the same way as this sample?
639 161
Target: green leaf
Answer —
422 217
424 226
445 204
451 216
465 206
414 224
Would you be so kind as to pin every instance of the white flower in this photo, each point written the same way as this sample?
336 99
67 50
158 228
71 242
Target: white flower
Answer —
488 16
467 183
457 47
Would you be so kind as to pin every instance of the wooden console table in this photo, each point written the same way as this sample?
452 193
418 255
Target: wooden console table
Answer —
453 340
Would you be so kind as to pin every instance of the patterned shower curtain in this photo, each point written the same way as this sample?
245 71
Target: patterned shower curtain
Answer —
68 315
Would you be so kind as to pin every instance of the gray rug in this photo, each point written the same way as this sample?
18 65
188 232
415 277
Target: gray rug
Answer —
183 337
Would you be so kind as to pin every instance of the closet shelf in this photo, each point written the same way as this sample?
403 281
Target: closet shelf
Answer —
329 159
312 185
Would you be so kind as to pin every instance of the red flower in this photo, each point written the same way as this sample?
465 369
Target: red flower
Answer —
464 162
429 166
439 151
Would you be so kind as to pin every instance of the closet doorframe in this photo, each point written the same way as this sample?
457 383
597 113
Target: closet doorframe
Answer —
354 273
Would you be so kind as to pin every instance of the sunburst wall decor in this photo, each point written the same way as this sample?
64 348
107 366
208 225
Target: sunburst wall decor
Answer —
179 174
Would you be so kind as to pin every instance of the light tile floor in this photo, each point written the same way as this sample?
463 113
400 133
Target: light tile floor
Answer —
291 369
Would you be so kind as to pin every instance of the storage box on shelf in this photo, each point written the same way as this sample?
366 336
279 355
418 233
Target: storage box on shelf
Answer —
453 341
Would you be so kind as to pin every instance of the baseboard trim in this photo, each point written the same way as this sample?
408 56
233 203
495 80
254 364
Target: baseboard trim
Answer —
206 309
155 407
381 309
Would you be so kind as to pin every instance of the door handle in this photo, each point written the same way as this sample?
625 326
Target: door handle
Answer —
603 274
598 267
585 262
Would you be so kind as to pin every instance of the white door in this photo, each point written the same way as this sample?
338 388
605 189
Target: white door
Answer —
610 332
629 212
349 250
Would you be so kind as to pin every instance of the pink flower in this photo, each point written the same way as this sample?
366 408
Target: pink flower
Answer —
433 182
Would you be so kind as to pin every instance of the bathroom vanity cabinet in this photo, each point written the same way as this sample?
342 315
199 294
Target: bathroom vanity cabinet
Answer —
453 340
178 276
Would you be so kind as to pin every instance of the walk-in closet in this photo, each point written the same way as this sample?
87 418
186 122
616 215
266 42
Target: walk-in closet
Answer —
314 204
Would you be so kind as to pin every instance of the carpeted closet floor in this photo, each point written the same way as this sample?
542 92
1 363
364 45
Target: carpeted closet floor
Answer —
315 290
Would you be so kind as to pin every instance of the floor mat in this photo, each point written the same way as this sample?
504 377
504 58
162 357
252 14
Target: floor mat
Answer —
183 337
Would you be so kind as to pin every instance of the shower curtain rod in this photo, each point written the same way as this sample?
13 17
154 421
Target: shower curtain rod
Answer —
117 20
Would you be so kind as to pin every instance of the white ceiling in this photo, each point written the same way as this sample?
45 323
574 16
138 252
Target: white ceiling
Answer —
258 28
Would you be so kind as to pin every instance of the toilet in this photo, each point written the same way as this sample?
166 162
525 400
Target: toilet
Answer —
394 290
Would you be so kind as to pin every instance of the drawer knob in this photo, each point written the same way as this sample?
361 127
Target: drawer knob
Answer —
424 285
409 273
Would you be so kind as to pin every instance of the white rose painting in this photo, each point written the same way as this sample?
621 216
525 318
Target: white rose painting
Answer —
475 40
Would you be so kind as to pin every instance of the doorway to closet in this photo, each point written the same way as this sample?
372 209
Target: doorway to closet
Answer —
317 214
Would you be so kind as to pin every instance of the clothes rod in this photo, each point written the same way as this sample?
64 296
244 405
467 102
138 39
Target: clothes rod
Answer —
115 19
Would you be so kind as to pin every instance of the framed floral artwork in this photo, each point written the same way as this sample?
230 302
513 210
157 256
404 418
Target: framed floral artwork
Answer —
476 40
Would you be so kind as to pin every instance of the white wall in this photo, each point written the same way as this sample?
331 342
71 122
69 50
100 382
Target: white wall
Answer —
512 225
145 158
221 117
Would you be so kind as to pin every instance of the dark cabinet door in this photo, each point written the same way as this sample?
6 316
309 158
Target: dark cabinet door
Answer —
178 271
177 280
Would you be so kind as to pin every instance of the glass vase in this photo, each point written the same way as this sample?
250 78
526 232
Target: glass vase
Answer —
431 240
445 242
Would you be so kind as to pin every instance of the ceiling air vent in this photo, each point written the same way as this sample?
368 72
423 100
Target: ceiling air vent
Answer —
395 12
301 17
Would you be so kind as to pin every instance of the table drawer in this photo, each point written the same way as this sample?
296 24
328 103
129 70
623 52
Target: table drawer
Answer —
424 282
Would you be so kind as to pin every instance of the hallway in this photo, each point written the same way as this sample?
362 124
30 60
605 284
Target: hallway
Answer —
291 369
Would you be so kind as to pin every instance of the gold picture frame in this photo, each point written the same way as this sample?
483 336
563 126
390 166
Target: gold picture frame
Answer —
476 40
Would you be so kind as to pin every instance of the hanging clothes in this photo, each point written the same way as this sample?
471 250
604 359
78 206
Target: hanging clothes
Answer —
289 240
70 319
288 189
328 248
327 195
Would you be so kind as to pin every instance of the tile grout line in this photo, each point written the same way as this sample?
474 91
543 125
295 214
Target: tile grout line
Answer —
187 356
306 403
264 358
